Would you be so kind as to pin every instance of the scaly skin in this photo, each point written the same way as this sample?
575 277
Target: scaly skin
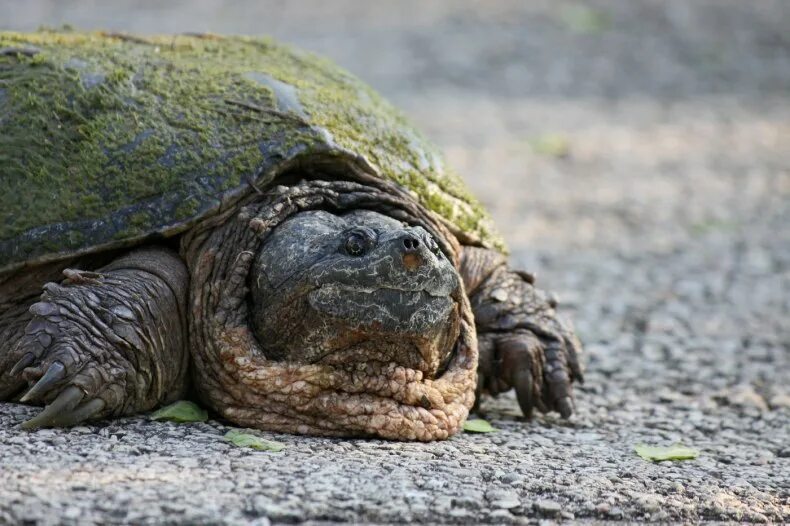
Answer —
523 344
103 343
13 319
265 352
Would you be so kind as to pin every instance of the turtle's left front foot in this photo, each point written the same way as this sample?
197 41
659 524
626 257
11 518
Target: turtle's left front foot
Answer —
523 343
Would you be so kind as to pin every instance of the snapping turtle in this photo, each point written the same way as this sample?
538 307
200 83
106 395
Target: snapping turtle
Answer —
253 221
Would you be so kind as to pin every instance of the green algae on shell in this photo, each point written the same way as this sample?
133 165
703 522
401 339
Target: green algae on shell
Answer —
107 139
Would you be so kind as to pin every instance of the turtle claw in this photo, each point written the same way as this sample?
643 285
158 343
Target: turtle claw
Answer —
55 373
64 404
522 380
565 407
556 374
83 412
535 367
65 412
23 363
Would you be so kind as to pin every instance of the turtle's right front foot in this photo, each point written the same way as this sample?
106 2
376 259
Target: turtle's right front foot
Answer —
106 343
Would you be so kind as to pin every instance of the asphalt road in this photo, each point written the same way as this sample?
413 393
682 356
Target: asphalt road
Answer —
636 155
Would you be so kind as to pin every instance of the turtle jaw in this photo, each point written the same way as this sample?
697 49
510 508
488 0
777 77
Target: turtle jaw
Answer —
411 328
353 392
391 359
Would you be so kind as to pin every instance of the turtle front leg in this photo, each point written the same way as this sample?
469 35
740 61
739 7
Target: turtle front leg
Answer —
106 343
523 343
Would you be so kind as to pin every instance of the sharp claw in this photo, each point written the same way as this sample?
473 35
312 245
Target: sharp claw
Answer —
64 403
80 414
573 346
565 406
518 363
54 374
22 364
522 381
557 378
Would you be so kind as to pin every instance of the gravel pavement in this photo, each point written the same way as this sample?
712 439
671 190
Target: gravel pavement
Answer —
636 155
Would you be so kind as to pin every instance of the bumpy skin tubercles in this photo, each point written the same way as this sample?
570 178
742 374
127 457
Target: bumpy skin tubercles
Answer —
104 343
523 343
370 398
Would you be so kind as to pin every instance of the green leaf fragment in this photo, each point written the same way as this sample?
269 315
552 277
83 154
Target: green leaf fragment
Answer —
241 439
657 453
182 412
586 21
478 425
551 145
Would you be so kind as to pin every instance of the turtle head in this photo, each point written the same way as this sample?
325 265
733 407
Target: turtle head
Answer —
354 288
336 324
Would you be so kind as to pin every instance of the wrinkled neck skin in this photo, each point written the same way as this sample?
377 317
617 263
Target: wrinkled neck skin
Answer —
332 308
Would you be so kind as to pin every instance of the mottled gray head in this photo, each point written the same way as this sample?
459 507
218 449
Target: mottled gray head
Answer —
354 288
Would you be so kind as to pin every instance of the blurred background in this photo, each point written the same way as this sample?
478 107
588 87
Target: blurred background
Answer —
636 154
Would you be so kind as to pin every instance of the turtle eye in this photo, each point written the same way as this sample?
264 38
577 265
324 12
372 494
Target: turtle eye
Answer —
359 241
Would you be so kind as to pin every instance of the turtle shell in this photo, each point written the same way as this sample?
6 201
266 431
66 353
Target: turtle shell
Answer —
110 139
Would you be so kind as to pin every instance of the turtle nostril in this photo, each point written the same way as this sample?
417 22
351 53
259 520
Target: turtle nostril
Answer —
411 243
412 259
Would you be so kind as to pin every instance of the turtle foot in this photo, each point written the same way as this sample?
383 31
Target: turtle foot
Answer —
102 344
68 359
524 345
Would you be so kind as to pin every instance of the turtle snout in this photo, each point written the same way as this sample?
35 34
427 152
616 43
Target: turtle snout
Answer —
413 250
